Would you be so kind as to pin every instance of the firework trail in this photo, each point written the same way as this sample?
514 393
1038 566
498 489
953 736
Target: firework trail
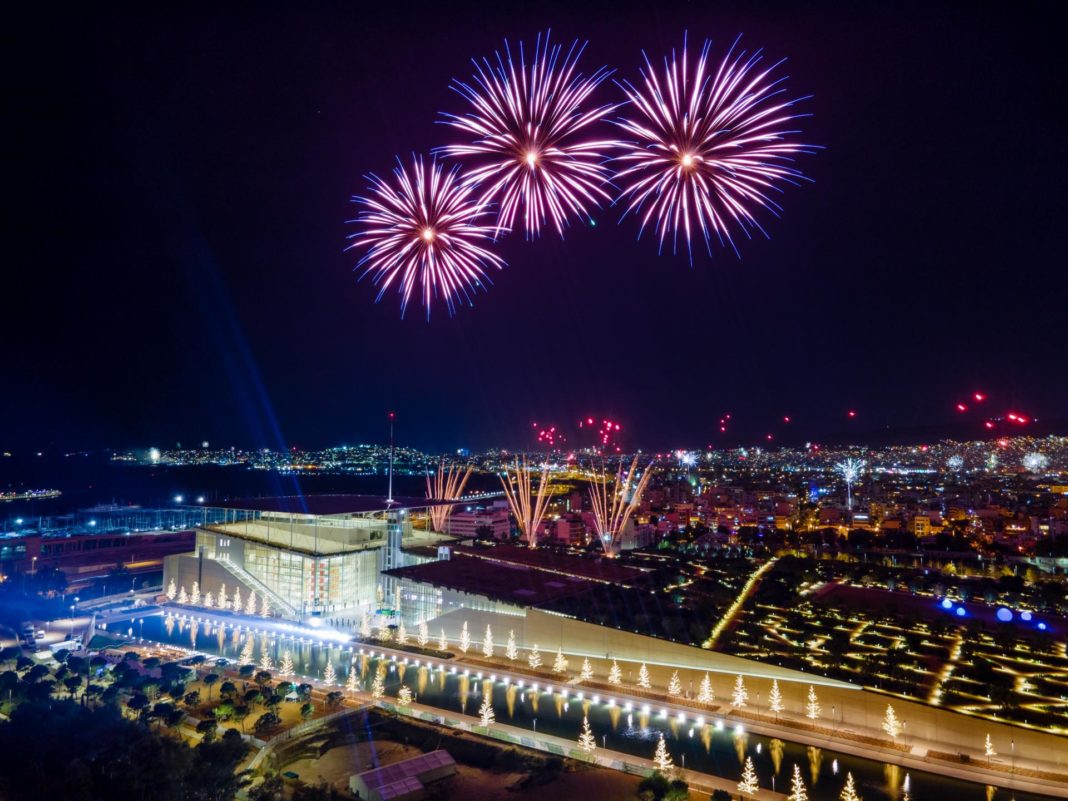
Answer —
424 228
527 125
707 146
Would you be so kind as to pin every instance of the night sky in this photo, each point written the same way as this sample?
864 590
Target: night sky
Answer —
178 188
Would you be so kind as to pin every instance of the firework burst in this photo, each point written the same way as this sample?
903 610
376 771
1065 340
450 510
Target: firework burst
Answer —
708 146
424 228
526 130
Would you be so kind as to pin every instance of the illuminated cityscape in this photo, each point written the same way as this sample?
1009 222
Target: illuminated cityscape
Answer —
421 403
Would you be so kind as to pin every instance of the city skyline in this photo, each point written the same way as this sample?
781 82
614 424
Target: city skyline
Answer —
207 246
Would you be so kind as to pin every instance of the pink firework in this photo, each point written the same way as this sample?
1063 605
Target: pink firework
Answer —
424 228
527 125
708 147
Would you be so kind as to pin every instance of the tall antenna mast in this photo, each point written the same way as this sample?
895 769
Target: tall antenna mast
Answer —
389 498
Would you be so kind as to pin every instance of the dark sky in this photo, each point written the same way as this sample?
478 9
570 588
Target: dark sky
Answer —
177 189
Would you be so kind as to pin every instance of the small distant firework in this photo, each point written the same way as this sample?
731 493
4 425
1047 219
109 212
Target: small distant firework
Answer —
955 463
527 127
424 228
708 145
614 500
686 458
447 484
607 432
548 436
1035 462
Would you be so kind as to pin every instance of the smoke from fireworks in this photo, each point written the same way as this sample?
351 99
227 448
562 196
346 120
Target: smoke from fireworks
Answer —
526 126
707 146
424 228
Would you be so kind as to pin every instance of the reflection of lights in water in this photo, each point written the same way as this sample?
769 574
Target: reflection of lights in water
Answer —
834 767
758 747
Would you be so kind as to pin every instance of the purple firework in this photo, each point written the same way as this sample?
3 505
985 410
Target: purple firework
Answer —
708 147
526 129
424 228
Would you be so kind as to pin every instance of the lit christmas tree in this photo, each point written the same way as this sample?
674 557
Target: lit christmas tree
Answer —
704 692
352 682
209 600
662 759
365 626
615 675
988 749
237 602
223 599
559 663
534 659
424 634
674 684
286 667
775 698
749 784
265 606
402 634
329 676
511 651
252 605
812 708
194 597
586 741
183 597
404 696
487 643
891 725
465 638
740 694
643 677
849 792
246 652
265 660
378 686
587 670
797 786
485 712
384 633
443 643
172 590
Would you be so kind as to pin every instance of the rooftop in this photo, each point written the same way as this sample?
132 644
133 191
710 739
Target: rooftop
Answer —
325 505
407 776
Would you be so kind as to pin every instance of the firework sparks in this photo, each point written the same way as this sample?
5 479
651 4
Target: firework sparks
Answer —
447 484
425 228
526 126
612 508
528 504
607 432
707 147
850 470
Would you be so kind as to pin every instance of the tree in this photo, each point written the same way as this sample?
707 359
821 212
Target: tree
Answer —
775 698
307 709
749 783
365 626
487 643
988 749
674 685
740 694
587 670
265 606
227 690
485 712
210 681
223 602
209 600
812 708
465 638
247 656
334 699
534 658
891 725
286 667
704 692
849 791
404 696
265 661
207 729
615 675
511 651
643 677
586 741
424 634
329 676
263 679
351 684
797 786
191 699
251 605
241 712
194 596
402 634
443 642
662 759
183 596
172 590
560 662
378 686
